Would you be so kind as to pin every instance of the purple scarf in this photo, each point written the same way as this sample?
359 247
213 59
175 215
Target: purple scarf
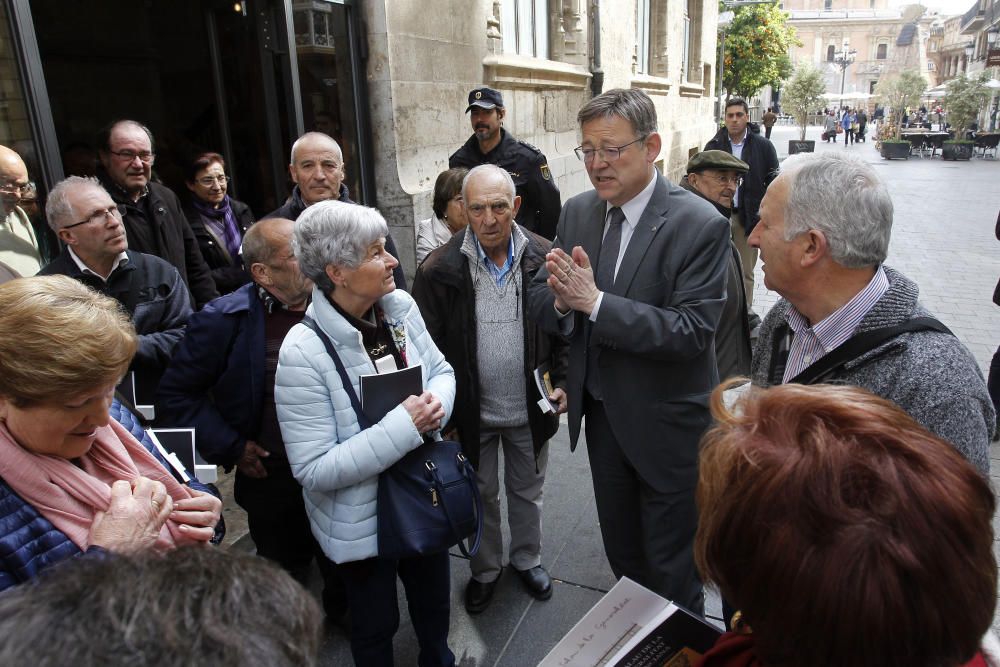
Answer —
222 222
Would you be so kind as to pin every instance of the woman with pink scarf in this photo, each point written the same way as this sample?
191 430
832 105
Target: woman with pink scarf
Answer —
72 479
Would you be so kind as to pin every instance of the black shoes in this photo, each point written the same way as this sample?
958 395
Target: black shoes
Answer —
537 581
479 594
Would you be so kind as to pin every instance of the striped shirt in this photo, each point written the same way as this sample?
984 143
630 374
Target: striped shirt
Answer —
811 343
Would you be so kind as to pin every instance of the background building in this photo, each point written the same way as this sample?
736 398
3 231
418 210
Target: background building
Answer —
387 79
882 40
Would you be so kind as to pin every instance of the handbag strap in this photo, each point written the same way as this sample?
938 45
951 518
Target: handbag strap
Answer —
863 342
363 420
468 552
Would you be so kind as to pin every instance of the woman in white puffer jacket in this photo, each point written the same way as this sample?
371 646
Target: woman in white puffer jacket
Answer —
341 247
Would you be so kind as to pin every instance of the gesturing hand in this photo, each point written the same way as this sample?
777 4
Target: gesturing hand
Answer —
134 517
571 279
426 411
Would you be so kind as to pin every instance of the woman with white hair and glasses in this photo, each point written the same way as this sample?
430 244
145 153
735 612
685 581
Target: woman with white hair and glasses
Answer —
371 326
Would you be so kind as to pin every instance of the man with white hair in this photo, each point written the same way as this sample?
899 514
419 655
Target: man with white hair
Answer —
317 169
472 297
87 220
221 381
845 316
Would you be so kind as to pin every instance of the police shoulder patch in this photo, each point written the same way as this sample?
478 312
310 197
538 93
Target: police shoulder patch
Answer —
546 174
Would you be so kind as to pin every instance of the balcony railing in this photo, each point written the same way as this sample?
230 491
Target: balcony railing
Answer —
972 20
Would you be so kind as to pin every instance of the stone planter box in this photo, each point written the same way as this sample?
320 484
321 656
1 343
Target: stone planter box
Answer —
892 150
957 150
795 146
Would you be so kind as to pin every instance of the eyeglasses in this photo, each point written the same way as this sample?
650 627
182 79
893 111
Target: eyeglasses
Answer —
722 179
99 217
209 181
17 188
609 154
499 207
129 156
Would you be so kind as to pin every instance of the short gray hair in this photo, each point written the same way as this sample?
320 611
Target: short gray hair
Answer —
841 196
483 170
57 207
332 232
313 136
633 105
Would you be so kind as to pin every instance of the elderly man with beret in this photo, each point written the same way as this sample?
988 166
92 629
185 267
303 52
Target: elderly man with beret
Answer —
715 176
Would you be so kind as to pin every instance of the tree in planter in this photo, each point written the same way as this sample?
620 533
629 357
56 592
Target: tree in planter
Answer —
756 49
964 98
803 94
897 92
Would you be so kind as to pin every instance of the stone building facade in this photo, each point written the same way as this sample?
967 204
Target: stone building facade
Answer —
428 61
883 39
870 31
387 78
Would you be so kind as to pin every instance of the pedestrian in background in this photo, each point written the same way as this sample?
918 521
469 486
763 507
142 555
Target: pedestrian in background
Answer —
768 120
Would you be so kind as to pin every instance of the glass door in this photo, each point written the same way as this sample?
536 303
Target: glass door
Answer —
328 47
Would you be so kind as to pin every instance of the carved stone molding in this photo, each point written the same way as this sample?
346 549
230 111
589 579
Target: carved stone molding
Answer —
525 72
654 85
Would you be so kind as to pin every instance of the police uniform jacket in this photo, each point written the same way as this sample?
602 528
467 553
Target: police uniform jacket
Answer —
540 202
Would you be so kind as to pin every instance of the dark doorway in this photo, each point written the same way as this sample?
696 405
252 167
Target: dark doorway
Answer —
203 76
333 85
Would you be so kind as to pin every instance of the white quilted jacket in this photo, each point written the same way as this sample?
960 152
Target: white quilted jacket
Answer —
337 463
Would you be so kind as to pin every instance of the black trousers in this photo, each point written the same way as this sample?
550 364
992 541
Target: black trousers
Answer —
371 588
648 534
279 527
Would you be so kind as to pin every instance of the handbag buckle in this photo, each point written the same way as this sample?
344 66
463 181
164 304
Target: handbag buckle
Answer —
430 465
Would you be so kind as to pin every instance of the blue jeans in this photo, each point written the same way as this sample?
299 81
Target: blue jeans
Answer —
371 594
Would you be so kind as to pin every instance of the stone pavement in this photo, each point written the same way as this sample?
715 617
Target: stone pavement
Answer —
942 238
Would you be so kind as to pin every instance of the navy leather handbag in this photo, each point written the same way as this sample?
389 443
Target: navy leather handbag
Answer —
428 501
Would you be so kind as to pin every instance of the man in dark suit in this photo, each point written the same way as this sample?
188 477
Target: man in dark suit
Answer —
636 280
759 153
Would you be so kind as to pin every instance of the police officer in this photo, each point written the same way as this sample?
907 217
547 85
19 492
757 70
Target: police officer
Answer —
491 144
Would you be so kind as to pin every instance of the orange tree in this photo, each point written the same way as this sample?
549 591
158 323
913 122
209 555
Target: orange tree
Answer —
756 51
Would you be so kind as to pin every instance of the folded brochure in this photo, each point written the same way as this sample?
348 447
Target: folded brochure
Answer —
543 380
382 392
631 626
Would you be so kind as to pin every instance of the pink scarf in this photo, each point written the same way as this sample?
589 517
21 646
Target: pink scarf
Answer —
69 496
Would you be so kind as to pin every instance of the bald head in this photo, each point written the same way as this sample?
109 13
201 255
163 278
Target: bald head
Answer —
13 178
313 140
264 239
268 256
317 167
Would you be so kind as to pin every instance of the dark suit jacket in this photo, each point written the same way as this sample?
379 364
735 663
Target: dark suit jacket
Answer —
656 328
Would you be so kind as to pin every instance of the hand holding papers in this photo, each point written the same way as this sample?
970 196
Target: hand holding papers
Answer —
382 392
632 626
543 381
